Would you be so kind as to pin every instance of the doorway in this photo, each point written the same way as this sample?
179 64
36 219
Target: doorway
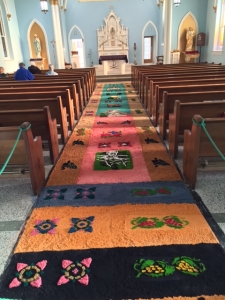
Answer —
77 45
148 49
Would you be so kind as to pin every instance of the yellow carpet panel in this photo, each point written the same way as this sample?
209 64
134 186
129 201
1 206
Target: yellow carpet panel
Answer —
114 226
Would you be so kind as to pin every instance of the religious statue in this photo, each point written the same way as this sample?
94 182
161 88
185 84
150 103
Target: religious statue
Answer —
189 37
112 32
37 46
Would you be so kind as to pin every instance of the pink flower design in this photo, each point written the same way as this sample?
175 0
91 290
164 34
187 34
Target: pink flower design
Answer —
75 271
29 274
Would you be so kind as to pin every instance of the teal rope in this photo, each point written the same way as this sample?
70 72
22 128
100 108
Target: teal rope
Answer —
13 148
202 124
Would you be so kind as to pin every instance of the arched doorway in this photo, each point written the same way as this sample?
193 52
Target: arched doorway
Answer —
188 20
76 45
36 28
149 43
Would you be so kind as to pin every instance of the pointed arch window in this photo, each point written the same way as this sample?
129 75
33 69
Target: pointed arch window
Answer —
3 36
220 26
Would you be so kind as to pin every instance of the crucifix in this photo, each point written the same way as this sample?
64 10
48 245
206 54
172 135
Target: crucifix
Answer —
111 7
53 42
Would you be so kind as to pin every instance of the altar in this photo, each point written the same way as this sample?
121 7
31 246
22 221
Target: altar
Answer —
113 45
111 62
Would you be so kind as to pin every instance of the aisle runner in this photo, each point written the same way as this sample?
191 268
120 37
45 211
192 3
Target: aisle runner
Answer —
115 220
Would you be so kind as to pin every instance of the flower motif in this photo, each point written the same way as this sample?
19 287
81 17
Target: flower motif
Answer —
29 274
45 226
81 131
55 194
85 193
81 224
75 271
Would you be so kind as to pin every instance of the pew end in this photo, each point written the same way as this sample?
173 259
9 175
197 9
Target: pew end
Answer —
197 144
27 154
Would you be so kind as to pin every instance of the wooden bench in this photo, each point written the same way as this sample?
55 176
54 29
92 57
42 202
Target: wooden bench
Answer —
197 144
177 75
41 125
54 81
28 152
57 110
181 118
65 96
65 79
159 94
148 98
157 72
73 86
167 106
168 73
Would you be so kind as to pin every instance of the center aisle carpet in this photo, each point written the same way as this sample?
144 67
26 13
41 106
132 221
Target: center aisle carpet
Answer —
115 220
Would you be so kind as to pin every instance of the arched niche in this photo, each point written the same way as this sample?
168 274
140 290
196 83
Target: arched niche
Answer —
75 34
36 28
188 20
150 30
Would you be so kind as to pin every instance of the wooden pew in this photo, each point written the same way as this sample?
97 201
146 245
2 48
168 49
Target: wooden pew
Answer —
41 122
73 86
65 79
57 110
28 152
159 92
200 74
181 118
90 71
54 81
174 71
179 82
197 144
65 96
167 106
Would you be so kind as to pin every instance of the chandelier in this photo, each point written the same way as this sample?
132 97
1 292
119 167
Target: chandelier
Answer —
44 6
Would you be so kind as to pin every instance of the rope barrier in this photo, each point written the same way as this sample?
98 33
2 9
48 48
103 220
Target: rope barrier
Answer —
13 148
202 124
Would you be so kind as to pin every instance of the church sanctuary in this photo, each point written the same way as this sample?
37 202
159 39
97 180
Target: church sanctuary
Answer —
112 150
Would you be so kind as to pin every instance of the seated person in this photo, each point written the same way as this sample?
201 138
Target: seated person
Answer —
23 74
33 69
2 72
51 70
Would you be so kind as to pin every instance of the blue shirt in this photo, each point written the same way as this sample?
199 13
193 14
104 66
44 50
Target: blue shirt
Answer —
23 74
51 73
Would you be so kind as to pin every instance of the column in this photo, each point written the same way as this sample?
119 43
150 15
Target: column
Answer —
167 30
57 34
64 37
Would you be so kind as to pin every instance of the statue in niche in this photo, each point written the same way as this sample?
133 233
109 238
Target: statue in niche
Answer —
37 46
112 33
190 39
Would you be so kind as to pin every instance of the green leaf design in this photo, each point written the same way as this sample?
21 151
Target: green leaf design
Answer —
63 190
147 263
138 220
152 192
169 270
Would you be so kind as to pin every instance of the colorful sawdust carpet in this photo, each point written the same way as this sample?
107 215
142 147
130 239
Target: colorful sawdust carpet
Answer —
115 220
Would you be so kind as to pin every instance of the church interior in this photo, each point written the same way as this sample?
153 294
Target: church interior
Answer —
112 149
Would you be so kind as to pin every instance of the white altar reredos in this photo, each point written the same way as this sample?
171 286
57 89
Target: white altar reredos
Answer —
112 40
